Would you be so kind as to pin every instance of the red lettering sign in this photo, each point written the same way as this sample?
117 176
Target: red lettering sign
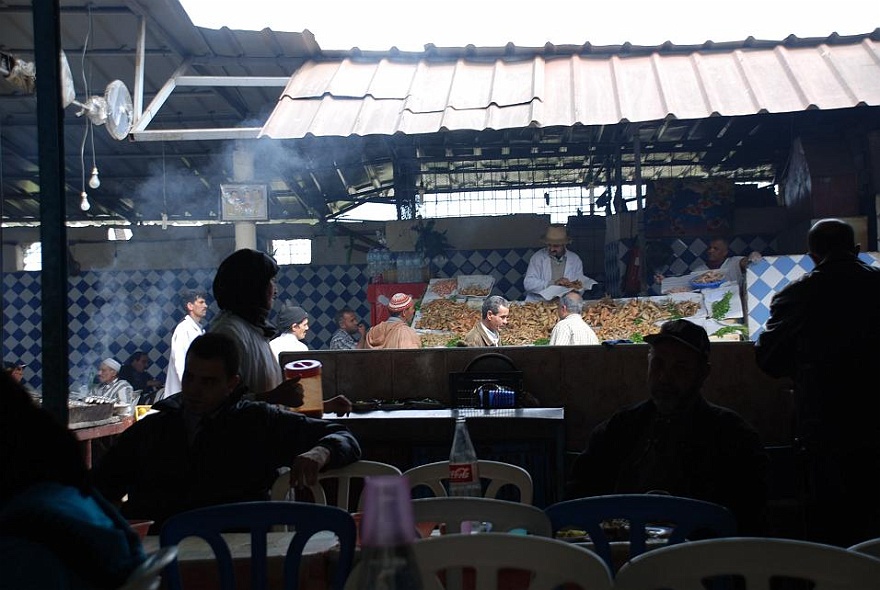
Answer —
461 473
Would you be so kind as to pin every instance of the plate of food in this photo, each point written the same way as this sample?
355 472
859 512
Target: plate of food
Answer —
708 280
364 405
424 404
572 535
475 285
391 404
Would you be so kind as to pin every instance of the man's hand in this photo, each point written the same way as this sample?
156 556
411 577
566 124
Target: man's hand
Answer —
305 468
339 404
289 393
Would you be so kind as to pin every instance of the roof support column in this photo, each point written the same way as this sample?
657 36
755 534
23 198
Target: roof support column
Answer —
243 171
405 172
53 213
640 211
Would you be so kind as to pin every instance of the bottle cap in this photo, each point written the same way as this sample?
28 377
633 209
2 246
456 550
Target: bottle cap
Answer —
303 369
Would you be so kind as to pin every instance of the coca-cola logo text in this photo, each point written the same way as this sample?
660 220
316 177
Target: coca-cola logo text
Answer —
461 473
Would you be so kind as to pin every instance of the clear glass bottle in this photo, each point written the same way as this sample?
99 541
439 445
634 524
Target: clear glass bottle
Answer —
464 474
387 533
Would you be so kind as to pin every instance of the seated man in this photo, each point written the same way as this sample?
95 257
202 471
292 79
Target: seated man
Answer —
676 441
207 446
110 386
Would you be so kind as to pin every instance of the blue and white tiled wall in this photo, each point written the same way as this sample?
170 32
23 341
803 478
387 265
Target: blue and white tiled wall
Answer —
772 274
114 313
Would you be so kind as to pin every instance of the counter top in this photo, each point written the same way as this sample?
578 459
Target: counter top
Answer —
527 413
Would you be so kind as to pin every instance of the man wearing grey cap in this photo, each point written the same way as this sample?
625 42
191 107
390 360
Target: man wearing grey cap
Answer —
293 323
111 387
676 441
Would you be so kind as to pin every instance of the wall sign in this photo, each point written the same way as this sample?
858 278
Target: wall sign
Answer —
244 202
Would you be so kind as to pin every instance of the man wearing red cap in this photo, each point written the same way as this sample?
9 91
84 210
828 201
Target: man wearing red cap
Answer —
395 332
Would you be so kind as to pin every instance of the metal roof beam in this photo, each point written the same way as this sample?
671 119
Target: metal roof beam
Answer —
197 134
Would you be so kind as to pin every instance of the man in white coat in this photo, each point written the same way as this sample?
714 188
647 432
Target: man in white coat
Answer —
189 328
555 265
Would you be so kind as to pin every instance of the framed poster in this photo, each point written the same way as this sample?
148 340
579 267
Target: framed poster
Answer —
244 202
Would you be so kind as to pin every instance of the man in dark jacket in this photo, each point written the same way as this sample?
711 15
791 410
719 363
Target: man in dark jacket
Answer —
676 441
824 333
208 446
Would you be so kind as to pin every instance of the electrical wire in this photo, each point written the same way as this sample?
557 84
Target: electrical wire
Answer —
82 147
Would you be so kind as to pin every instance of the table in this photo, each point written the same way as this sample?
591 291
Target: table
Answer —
198 568
87 433
533 438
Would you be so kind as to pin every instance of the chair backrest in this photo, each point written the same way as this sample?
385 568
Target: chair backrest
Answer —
148 575
504 516
684 516
499 474
870 547
758 562
507 561
343 476
259 518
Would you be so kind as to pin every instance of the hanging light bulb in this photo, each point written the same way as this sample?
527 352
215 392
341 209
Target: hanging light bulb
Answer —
84 203
94 181
164 220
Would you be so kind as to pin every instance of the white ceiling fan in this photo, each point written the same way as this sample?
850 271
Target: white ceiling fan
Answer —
113 109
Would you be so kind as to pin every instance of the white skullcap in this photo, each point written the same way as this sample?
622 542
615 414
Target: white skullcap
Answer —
112 363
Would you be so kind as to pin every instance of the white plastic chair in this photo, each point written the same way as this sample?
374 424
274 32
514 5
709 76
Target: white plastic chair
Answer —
758 561
148 575
343 476
499 474
503 515
548 562
870 547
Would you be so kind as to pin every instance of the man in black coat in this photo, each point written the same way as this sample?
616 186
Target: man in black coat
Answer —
824 333
675 441
208 446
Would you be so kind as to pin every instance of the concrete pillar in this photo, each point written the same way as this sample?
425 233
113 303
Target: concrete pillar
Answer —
243 171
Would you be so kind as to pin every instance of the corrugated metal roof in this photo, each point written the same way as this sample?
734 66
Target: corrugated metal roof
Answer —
443 90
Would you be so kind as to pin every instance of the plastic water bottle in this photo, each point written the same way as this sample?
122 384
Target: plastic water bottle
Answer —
387 533
464 475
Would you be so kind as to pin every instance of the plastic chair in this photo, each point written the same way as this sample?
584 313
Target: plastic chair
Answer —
148 575
258 518
870 547
758 562
505 561
684 515
499 474
504 516
343 476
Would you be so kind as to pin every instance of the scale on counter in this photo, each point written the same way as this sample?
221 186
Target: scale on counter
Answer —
471 389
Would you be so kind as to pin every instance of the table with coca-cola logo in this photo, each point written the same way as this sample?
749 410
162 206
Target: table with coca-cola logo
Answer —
533 438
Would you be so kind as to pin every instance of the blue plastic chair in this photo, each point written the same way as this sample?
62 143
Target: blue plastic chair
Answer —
258 518
684 516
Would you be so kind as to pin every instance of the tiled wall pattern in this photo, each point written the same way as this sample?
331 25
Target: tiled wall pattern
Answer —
114 313
772 274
